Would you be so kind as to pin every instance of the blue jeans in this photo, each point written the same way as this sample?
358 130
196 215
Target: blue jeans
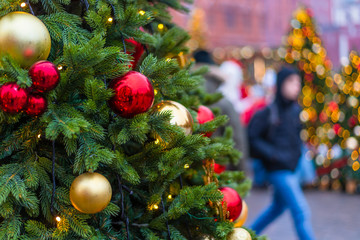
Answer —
287 194
305 170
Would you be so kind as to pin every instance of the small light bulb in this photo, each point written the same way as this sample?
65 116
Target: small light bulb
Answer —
23 4
156 206
157 141
142 12
168 59
161 26
169 197
155 91
39 136
58 219
186 166
60 67
110 19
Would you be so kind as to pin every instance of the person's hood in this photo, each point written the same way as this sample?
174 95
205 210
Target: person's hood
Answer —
282 75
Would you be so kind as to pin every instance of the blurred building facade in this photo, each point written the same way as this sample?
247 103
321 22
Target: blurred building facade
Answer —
262 24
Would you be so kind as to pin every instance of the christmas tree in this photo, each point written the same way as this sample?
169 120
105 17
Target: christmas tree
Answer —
100 134
320 96
348 129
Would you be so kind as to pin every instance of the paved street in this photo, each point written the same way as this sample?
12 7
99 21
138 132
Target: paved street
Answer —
335 216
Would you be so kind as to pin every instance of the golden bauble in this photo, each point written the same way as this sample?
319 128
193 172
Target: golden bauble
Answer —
243 215
180 116
239 234
180 58
24 37
90 193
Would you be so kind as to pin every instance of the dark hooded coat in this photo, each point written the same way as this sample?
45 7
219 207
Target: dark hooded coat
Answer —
274 132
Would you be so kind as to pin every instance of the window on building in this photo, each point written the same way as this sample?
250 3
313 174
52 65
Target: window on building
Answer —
230 16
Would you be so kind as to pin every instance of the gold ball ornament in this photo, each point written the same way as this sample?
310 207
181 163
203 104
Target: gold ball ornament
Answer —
90 193
24 37
243 215
239 234
180 116
180 58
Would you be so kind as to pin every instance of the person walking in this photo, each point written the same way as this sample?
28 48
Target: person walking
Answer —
274 138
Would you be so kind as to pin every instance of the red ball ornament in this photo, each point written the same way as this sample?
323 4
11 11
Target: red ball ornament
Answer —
204 114
233 201
137 51
44 75
36 105
134 94
218 168
12 98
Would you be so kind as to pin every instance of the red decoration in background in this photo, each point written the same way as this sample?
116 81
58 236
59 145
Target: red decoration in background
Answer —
309 77
134 94
218 168
44 75
204 114
352 121
333 106
244 91
12 98
246 116
323 117
306 31
238 62
36 105
340 163
328 63
301 64
234 202
136 53
336 128
309 12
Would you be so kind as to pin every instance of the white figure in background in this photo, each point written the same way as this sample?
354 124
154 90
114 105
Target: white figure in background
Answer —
233 76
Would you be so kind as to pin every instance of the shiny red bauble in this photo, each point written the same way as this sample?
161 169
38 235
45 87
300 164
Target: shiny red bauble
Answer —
134 94
12 98
233 201
36 105
44 75
218 168
204 114
137 51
